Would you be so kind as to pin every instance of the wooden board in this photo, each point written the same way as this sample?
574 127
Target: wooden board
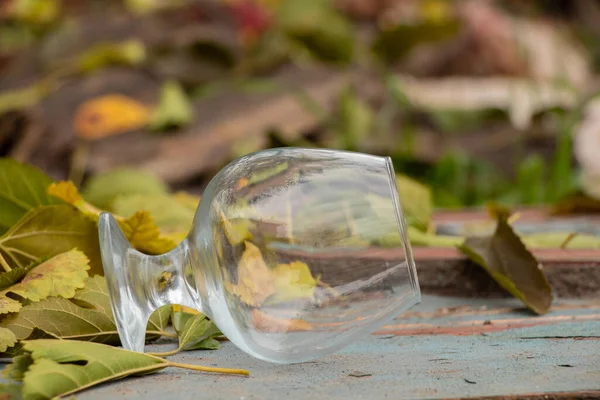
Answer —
445 348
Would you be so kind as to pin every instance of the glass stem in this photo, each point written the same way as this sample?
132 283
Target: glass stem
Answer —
139 283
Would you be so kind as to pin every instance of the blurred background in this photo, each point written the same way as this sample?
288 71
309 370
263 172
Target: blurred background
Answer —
478 100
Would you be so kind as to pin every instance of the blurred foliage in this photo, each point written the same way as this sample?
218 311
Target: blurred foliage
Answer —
239 44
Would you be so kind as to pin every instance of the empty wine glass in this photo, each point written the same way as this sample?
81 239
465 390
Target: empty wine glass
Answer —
294 254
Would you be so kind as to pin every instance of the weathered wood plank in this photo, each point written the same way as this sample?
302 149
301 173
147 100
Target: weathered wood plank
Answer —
516 363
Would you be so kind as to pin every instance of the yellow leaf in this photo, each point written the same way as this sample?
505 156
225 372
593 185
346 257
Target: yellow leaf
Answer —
139 229
109 115
7 339
255 280
59 276
267 323
188 200
293 281
66 191
237 230
144 235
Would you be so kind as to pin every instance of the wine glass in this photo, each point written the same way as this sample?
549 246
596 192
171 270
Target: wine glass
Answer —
294 253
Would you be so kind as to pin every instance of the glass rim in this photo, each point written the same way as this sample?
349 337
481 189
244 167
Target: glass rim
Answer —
404 237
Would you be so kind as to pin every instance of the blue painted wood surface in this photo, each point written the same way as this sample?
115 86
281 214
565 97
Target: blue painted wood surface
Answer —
444 348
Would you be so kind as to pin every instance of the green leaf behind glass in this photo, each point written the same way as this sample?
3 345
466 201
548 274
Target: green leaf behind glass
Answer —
103 188
168 213
504 256
22 188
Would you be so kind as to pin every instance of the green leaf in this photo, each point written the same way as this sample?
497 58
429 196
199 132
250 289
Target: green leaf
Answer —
144 235
196 331
356 120
504 256
417 202
58 276
159 320
174 109
20 99
87 316
318 27
16 370
50 230
103 188
36 12
62 367
576 202
63 319
395 43
7 339
139 229
22 188
168 213
531 180
11 277
130 52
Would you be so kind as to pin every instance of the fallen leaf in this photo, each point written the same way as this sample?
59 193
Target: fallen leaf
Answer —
356 120
144 235
7 339
576 203
292 281
87 316
197 334
103 188
187 200
144 7
393 43
11 277
139 229
130 52
64 367
417 202
66 191
20 99
16 370
267 323
109 115
35 12
317 26
255 281
180 316
50 230
504 256
168 213
58 276
22 188
236 230
174 109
